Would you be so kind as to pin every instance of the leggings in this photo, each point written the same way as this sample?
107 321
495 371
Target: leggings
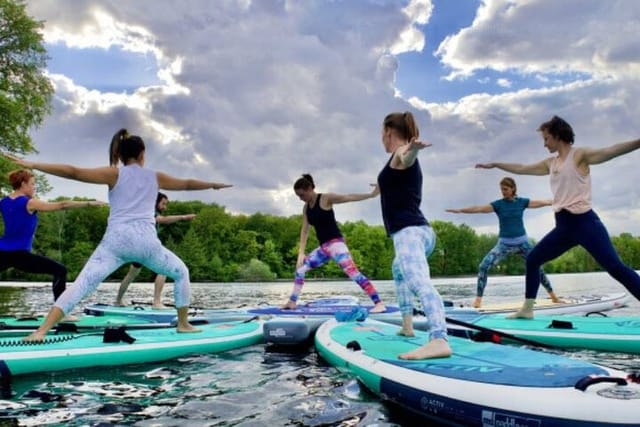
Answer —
32 263
589 232
125 243
412 276
337 250
497 254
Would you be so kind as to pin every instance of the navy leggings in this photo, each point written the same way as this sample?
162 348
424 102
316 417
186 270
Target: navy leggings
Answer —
32 263
589 232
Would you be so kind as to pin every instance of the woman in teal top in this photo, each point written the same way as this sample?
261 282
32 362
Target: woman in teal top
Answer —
512 236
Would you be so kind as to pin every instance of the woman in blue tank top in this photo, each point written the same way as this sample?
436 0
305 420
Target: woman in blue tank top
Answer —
131 234
512 237
20 214
400 186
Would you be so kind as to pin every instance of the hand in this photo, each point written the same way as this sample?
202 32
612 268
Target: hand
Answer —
375 191
485 165
453 210
18 161
187 217
414 144
218 186
97 203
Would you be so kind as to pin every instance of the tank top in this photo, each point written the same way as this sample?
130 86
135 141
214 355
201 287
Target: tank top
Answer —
400 197
323 221
571 190
510 213
19 224
133 198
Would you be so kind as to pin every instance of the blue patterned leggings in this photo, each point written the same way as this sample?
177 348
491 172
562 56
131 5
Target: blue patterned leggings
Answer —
497 254
412 276
122 244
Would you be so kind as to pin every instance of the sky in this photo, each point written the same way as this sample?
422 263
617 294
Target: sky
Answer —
255 93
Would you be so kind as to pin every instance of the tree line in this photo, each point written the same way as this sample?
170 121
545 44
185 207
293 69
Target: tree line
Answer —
220 247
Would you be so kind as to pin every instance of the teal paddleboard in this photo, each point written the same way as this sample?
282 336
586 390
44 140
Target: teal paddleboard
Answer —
595 332
71 351
481 384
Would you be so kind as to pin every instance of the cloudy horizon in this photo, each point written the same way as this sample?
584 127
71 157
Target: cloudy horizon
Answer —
255 93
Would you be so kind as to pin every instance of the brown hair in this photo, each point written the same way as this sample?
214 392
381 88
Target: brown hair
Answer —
509 182
403 123
305 182
558 128
124 147
17 177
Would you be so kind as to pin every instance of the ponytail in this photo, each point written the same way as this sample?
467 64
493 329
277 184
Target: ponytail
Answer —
114 147
404 124
124 147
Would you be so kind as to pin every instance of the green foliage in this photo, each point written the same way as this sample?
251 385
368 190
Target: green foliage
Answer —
25 92
255 271
218 246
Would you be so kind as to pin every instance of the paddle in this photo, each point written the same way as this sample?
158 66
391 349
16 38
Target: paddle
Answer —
498 333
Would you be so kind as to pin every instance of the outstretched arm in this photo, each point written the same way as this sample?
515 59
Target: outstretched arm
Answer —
533 204
42 206
169 219
104 175
594 156
473 209
539 168
168 182
333 198
408 154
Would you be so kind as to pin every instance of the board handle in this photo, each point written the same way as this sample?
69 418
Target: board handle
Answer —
584 383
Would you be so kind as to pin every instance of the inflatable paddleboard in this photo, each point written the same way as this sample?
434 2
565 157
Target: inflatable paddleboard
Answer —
593 332
297 326
482 384
567 305
166 315
19 324
112 347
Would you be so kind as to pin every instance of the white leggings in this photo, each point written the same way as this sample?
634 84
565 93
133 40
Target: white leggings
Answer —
121 244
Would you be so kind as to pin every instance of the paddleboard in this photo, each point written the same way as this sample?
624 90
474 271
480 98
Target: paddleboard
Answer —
482 384
568 305
166 315
596 332
297 326
83 322
73 351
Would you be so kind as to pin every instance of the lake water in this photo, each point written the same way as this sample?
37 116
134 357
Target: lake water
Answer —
253 386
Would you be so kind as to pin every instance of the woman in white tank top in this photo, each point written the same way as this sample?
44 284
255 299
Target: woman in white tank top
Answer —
131 235
576 222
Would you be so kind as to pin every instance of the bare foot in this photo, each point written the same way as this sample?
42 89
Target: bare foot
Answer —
433 349
159 307
187 329
378 308
70 318
477 303
35 336
290 305
405 333
520 314
119 303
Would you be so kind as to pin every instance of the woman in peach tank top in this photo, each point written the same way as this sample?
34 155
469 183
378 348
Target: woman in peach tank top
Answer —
576 222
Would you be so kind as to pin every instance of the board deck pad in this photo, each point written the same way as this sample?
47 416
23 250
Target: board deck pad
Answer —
472 361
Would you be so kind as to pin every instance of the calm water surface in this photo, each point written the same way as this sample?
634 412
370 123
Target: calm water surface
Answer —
253 386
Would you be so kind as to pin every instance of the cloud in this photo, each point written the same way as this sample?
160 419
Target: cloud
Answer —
256 93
